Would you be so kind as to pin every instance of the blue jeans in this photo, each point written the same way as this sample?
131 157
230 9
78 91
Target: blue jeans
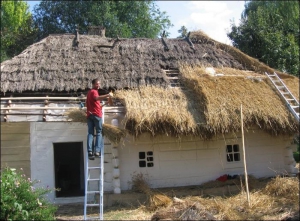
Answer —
94 122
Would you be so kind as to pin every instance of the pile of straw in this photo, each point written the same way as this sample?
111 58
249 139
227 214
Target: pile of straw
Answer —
113 133
277 201
156 200
209 105
183 210
283 186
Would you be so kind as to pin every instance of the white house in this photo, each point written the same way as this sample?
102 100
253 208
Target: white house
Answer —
177 137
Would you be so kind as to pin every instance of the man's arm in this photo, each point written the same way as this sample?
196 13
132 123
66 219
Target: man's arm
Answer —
99 98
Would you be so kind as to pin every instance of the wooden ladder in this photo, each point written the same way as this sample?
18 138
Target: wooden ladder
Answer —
173 77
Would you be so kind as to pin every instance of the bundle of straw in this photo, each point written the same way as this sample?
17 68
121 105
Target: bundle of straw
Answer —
76 115
156 200
113 133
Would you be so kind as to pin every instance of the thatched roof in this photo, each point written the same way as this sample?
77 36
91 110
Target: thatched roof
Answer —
57 63
209 105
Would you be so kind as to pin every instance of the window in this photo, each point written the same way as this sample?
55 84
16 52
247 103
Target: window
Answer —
233 153
146 159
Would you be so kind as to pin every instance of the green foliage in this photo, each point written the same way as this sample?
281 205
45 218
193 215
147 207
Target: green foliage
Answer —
20 200
17 31
129 19
269 31
183 32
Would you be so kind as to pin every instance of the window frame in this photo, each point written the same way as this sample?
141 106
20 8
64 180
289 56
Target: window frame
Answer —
147 160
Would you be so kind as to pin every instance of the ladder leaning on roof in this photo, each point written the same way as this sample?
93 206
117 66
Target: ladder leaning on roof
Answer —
285 93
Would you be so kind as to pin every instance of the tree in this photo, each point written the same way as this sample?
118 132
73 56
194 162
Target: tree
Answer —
183 32
120 18
17 31
269 31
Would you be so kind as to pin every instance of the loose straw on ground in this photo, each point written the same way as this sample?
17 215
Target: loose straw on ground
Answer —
244 155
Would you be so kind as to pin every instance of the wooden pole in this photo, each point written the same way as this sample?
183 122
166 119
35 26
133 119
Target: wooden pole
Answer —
42 98
244 156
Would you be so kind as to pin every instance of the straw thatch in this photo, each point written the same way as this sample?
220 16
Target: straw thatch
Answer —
56 64
208 105
248 62
113 133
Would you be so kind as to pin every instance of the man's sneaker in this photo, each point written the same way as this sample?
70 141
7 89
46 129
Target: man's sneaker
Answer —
97 154
91 156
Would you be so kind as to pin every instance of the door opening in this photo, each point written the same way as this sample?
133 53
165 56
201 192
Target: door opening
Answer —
69 169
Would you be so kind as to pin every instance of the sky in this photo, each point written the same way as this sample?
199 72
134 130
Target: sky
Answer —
212 17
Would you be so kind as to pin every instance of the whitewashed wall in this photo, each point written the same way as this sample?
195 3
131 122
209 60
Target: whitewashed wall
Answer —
42 137
193 162
189 162
44 134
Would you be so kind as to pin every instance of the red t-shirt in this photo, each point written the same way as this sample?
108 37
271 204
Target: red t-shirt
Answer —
93 106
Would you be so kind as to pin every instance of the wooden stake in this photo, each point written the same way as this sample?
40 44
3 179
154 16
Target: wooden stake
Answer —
244 155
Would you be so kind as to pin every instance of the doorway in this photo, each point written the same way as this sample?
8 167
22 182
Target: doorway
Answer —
69 169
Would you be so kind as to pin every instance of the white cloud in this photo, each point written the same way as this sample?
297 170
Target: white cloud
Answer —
208 6
212 17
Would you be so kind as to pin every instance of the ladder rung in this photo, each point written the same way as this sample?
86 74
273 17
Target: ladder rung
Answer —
171 70
272 75
294 107
93 191
173 78
290 99
284 92
94 168
93 179
280 87
94 204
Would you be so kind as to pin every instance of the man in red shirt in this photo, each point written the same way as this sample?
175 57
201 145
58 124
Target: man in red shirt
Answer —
94 119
